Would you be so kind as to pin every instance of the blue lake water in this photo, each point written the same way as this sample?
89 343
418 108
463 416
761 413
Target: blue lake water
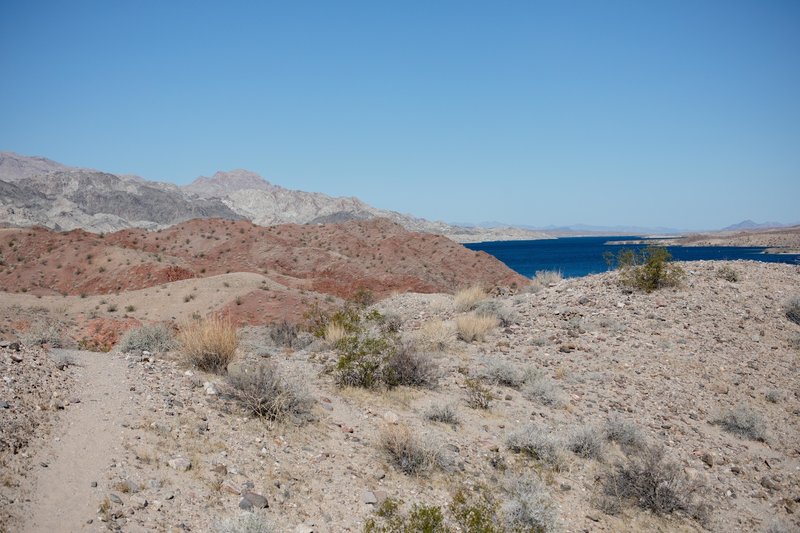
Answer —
579 256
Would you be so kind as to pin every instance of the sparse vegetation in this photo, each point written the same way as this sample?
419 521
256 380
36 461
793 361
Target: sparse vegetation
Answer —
647 270
626 434
284 334
728 273
466 299
245 523
209 343
478 396
421 518
543 389
437 335
539 445
792 309
586 442
544 278
408 454
152 338
499 310
472 327
528 507
743 421
265 393
443 413
651 481
500 372
44 331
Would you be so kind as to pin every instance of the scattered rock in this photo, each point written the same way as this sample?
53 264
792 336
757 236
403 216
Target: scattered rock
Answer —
180 464
369 497
256 500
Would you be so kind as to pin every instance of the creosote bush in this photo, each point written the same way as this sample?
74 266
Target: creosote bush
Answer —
649 480
151 338
743 421
264 393
472 327
466 299
208 344
646 270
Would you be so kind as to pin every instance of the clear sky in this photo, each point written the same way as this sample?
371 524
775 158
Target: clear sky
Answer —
682 113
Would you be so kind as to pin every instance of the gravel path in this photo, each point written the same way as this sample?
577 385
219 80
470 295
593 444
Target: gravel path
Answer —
81 452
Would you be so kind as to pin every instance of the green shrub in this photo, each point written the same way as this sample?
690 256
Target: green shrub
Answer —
647 270
152 338
421 519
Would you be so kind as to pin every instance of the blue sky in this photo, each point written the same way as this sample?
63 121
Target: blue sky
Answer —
682 114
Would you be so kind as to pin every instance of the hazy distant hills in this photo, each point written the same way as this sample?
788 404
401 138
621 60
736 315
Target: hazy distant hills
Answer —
750 225
38 191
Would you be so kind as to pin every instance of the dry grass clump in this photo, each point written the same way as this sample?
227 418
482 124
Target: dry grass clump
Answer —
651 481
208 344
437 335
626 434
544 278
406 453
528 507
538 445
466 299
497 309
543 389
743 421
151 338
45 331
334 332
792 309
472 327
245 523
264 393
446 414
500 372
587 442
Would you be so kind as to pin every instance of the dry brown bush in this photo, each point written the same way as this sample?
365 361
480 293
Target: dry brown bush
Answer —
208 344
467 299
472 327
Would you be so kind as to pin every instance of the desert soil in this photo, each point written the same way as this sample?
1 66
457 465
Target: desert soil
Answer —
170 451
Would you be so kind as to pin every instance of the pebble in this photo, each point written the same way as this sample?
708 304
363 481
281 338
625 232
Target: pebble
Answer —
180 463
369 497
256 500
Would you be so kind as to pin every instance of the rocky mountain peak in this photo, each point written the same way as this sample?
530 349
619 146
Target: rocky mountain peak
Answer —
224 183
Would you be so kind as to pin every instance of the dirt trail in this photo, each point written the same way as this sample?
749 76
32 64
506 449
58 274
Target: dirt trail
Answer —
89 439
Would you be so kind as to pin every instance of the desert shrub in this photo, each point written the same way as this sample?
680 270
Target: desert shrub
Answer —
528 507
503 373
466 299
444 413
362 361
728 273
406 366
792 309
478 396
390 323
743 421
543 389
208 344
151 338
284 334
773 395
648 270
497 309
363 298
245 523
586 442
472 327
406 453
626 434
421 518
651 481
437 335
544 278
264 393
45 331
537 444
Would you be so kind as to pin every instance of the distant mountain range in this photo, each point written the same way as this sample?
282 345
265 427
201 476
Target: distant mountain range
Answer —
750 225
39 191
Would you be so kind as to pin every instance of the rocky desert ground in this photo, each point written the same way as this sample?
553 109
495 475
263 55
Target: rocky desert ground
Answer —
559 405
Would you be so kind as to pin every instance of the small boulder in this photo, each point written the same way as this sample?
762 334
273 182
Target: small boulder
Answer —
180 464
